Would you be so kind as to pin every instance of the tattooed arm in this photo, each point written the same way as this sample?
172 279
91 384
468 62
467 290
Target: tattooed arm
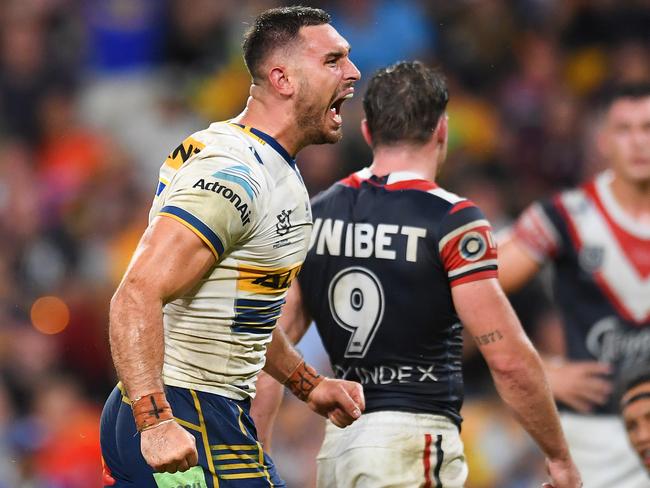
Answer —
339 400
516 369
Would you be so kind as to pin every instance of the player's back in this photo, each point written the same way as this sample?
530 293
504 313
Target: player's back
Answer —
377 280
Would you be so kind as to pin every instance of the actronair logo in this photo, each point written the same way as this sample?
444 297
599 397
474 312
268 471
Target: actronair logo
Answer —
228 194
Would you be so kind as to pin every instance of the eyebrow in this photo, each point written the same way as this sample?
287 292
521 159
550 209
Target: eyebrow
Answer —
338 54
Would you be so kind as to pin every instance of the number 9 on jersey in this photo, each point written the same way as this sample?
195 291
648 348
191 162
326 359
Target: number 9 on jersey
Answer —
356 300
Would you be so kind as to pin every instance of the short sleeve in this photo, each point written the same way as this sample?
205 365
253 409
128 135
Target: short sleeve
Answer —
535 231
216 198
466 245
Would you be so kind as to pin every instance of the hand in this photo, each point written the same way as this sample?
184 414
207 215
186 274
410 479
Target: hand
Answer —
563 473
579 384
169 448
339 400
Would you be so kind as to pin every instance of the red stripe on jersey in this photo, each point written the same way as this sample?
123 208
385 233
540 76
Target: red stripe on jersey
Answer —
461 205
352 181
620 307
426 460
636 250
481 275
459 251
422 185
531 231
577 242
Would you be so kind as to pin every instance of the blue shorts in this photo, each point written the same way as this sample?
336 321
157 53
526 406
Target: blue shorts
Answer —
229 453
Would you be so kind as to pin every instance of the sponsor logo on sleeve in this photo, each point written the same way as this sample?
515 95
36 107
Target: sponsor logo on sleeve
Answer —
472 246
184 151
229 194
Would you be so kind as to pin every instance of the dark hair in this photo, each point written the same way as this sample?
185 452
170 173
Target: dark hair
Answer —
404 102
275 28
634 91
632 378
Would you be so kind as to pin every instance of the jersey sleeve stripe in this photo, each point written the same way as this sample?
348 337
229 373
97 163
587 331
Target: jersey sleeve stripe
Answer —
461 206
238 180
243 172
460 230
194 224
486 263
470 276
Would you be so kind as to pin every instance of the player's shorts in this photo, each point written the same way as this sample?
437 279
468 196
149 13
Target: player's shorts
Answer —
230 456
393 449
602 452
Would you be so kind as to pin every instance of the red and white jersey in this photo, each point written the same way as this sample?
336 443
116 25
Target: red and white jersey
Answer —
602 264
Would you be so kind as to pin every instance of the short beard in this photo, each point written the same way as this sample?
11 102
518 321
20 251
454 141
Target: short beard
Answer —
309 119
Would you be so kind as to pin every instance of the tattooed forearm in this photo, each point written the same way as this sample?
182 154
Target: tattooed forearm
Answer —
488 338
303 380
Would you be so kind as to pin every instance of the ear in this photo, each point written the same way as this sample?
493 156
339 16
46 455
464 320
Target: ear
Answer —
365 131
279 79
442 129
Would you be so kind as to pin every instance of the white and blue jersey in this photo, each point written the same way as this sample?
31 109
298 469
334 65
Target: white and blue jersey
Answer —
241 193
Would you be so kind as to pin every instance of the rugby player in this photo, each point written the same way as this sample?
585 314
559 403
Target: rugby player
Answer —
396 267
597 237
229 227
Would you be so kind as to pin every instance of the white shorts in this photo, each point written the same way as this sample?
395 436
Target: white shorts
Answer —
393 449
602 452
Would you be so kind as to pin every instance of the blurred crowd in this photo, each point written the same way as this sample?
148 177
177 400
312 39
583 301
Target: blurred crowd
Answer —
95 93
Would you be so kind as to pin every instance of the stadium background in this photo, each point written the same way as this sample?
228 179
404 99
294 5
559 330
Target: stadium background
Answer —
95 93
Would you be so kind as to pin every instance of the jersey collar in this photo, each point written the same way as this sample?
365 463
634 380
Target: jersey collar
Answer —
614 209
268 140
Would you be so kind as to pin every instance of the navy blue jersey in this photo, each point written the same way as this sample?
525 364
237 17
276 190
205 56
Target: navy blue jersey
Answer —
602 273
377 280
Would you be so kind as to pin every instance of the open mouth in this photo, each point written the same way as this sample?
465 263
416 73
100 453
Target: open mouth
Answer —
335 107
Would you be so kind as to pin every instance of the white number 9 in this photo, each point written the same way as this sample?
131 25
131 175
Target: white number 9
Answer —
356 300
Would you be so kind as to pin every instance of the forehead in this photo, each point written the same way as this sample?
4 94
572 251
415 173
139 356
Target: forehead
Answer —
319 40
629 109
639 407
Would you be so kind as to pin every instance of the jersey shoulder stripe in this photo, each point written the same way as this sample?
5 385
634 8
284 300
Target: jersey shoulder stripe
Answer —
466 245
240 174
196 225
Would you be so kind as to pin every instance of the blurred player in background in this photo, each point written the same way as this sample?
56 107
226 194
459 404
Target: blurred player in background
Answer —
229 227
395 264
635 409
598 238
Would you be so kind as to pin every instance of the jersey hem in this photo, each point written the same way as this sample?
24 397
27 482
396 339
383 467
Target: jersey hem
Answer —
215 390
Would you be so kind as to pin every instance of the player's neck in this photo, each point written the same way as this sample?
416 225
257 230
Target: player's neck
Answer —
633 197
405 157
276 122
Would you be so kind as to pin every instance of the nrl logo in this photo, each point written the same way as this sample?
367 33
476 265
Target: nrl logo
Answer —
591 258
284 224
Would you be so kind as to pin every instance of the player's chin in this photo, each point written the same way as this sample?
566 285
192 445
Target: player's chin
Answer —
333 132
328 136
334 136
